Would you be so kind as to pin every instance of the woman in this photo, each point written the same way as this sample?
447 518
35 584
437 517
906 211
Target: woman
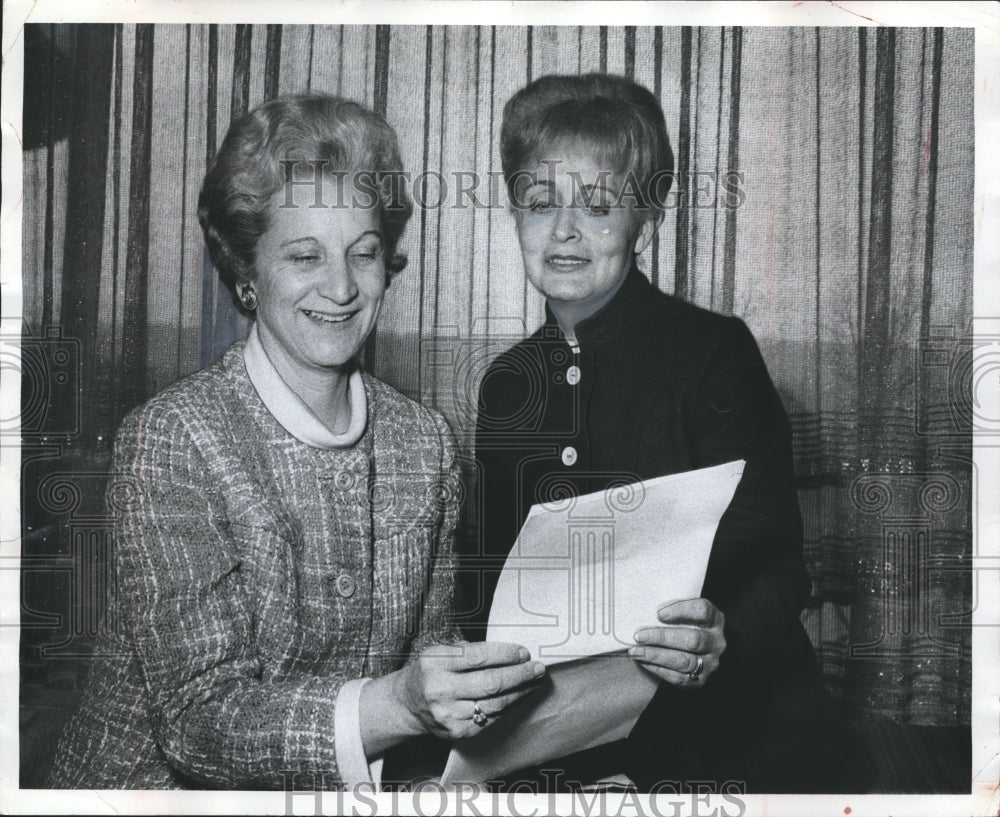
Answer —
284 522
623 380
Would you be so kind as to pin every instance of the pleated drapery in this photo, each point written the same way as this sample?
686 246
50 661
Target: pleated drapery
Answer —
824 195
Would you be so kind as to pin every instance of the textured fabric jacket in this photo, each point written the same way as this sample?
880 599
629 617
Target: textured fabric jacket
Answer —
255 576
658 386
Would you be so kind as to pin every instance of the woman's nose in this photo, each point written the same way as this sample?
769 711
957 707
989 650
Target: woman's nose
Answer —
338 283
565 227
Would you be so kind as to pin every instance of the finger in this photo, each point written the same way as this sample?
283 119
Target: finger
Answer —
684 638
443 656
465 655
699 612
675 678
479 654
466 723
494 681
681 663
497 705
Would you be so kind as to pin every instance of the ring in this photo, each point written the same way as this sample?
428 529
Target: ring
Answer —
479 718
695 674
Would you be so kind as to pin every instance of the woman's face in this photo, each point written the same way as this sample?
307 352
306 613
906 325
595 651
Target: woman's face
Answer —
577 239
319 283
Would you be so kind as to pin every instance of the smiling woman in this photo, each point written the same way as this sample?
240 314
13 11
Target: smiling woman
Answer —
275 615
319 285
575 236
653 386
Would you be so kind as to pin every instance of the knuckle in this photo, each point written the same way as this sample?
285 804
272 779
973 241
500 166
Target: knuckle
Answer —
433 690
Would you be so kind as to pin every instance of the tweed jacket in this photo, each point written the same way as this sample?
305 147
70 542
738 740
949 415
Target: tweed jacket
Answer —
256 575
654 386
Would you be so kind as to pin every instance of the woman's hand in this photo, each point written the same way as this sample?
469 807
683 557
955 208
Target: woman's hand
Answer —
686 650
444 685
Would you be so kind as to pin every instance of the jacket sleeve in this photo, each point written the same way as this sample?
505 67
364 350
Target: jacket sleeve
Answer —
756 574
216 715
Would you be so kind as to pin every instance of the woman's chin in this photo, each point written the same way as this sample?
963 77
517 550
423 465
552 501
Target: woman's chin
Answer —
563 288
332 358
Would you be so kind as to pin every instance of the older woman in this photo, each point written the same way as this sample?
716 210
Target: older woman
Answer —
284 522
623 380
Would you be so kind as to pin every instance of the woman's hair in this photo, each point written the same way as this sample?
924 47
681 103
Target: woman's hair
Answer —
298 138
622 120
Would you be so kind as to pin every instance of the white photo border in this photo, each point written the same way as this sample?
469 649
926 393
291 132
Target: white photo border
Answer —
984 17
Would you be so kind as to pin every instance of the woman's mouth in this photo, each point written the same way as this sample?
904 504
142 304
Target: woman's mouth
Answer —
328 317
565 262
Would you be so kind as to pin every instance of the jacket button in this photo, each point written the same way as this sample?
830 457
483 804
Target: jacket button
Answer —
345 585
573 375
568 455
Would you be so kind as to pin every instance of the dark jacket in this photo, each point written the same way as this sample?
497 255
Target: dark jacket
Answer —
666 387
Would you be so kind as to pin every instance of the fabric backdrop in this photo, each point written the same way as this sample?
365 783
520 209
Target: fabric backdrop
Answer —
849 256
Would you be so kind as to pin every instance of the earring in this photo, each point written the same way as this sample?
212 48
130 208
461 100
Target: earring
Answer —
248 298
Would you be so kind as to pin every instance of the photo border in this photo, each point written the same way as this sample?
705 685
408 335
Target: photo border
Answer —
983 16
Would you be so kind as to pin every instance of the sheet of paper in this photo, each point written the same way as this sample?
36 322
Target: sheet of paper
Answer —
586 573
583 576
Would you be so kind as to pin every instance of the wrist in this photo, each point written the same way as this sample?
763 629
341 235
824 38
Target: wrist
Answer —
393 698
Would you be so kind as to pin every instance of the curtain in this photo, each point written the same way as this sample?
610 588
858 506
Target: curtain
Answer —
824 195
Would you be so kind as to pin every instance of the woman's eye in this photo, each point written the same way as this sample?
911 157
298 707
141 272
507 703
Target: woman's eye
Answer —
540 206
598 203
305 258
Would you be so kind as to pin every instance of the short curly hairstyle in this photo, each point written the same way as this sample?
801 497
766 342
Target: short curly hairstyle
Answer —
339 135
619 117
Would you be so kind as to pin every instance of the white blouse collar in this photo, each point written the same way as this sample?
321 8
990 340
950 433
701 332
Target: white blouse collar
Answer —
289 410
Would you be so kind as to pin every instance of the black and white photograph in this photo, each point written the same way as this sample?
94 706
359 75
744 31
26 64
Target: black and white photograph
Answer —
480 408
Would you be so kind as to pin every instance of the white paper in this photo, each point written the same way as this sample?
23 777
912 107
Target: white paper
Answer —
583 576
586 573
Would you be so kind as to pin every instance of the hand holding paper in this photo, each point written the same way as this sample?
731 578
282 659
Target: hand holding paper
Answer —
583 577
686 651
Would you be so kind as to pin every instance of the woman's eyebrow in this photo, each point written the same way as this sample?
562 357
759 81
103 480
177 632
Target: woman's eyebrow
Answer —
299 240
308 238
366 233
590 189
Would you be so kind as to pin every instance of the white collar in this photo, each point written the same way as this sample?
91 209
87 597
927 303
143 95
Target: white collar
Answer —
289 409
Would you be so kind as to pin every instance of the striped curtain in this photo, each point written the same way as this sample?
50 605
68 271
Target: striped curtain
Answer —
848 151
